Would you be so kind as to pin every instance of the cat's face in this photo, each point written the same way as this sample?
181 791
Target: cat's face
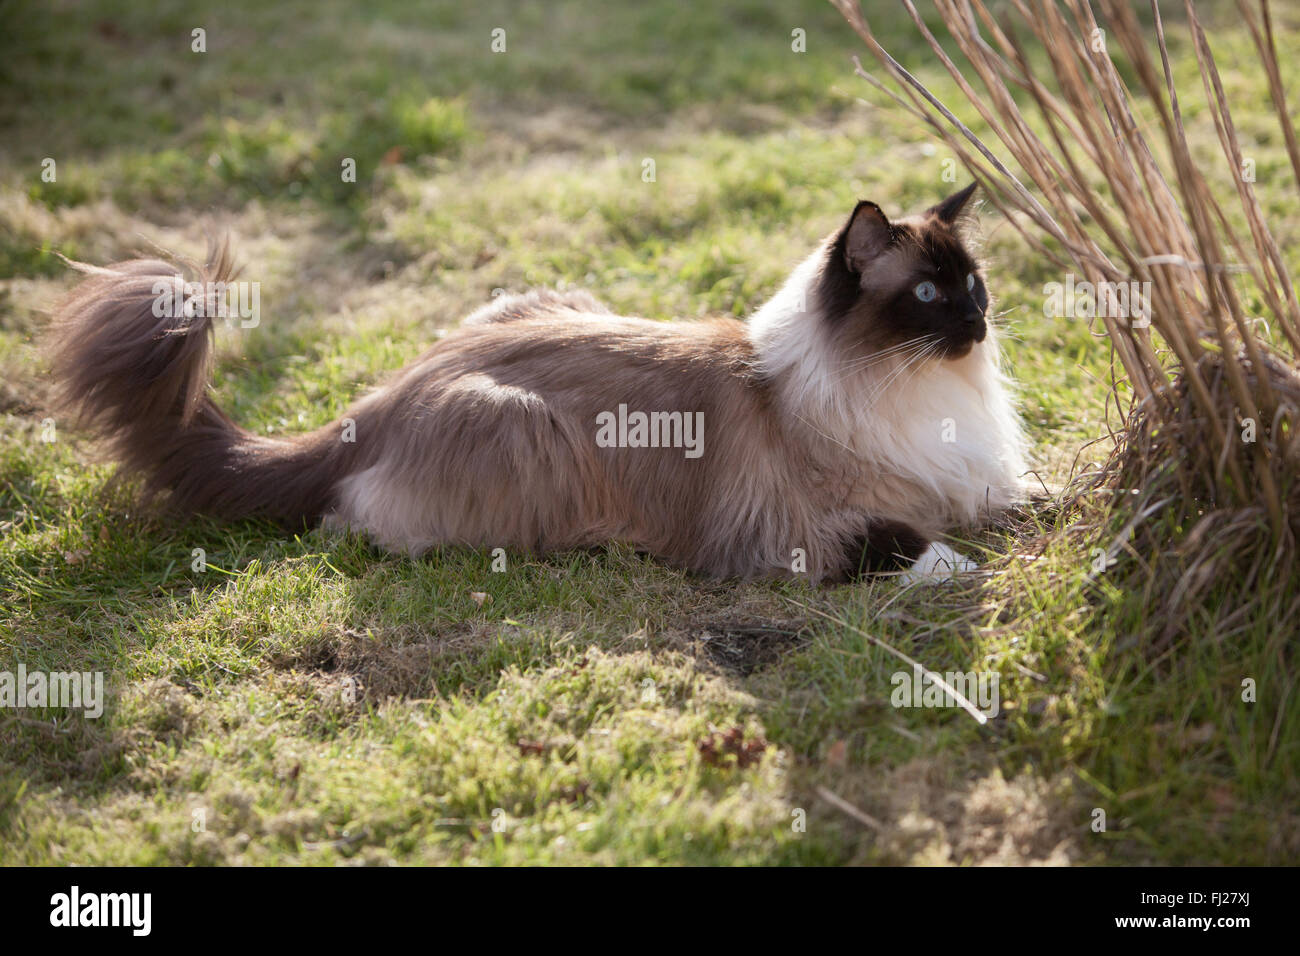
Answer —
904 286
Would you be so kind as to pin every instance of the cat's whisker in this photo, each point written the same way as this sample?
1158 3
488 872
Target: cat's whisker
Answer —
916 348
914 360
883 354
877 358
920 364
909 371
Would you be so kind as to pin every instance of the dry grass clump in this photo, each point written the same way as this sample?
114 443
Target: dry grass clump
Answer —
1102 181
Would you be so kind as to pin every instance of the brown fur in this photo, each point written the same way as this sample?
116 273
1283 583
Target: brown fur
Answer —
141 382
512 410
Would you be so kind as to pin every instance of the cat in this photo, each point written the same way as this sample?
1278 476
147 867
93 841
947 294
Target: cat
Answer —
851 421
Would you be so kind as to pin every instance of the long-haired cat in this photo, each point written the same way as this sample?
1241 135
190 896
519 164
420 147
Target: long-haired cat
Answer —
851 421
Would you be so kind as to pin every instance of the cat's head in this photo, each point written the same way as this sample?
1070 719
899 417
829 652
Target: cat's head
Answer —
904 285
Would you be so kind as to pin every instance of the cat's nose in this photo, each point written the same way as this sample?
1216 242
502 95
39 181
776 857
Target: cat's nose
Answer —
971 311
973 321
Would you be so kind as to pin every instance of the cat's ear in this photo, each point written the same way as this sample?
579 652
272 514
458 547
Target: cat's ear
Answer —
951 208
866 235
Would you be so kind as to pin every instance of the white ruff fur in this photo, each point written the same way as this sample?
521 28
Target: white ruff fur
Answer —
895 417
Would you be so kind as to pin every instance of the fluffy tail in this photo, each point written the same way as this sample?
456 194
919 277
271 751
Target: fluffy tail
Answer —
132 354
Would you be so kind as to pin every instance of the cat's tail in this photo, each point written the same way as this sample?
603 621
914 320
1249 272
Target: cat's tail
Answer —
131 350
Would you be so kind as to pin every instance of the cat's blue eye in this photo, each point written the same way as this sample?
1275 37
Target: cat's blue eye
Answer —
925 291
970 282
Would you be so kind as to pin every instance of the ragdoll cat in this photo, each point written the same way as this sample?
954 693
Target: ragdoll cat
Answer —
840 430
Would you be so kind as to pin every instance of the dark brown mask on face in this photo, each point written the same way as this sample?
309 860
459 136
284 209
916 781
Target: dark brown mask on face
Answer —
885 284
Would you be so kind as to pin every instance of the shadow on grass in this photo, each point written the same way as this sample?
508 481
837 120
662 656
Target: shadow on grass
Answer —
365 631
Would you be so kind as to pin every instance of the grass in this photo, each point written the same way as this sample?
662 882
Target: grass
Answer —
309 700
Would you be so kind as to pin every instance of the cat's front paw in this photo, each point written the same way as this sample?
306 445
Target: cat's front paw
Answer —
937 563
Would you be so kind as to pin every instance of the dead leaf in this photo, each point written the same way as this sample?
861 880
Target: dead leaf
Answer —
715 750
837 753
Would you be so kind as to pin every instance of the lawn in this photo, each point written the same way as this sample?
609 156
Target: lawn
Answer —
311 700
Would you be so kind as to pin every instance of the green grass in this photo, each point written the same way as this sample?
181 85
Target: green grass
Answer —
310 700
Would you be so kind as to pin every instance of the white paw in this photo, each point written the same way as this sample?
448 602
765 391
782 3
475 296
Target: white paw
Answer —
937 563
